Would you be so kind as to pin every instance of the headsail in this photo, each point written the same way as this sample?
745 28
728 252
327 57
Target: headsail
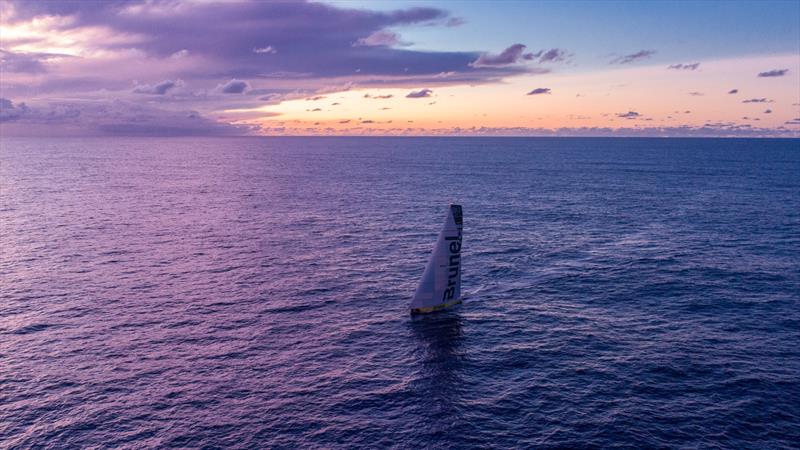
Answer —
440 286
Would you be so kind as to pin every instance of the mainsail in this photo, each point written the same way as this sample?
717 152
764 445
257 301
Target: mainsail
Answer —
440 286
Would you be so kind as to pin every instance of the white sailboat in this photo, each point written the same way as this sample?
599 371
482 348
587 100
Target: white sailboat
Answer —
440 286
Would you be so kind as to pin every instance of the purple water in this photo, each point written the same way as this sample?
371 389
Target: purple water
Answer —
253 293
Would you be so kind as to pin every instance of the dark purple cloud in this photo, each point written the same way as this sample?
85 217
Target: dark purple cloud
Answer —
509 56
757 100
768 111
315 40
12 62
773 73
381 38
234 87
115 118
629 115
692 66
159 88
539 91
9 111
733 91
633 57
378 97
547 56
422 93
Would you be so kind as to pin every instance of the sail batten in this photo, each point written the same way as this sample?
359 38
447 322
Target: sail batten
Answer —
440 285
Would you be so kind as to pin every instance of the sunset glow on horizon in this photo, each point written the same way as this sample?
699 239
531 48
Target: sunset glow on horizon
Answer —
398 68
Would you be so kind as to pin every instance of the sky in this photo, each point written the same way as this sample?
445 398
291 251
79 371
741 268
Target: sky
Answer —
502 68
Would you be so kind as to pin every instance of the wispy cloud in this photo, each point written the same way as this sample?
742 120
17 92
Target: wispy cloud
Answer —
234 87
381 38
693 66
159 88
633 57
539 91
773 73
31 63
422 93
510 55
629 115
269 50
733 91
757 100
378 97
548 56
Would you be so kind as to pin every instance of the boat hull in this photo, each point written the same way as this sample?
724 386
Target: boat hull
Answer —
433 309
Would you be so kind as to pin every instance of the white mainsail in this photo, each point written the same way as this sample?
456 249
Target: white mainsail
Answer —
440 286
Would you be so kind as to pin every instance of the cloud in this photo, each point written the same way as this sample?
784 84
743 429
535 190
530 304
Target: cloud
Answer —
378 97
455 22
539 91
692 66
422 93
509 56
773 73
9 111
180 54
104 118
234 87
696 94
315 40
757 100
158 89
638 56
629 115
719 129
768 111
547 56
26 62
733 91
381 38
269 50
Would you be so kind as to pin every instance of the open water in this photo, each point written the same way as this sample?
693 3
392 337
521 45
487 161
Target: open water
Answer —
253 293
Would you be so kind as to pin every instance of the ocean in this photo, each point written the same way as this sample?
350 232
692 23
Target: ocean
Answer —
253 293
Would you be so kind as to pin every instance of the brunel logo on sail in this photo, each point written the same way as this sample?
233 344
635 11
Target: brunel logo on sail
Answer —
454 266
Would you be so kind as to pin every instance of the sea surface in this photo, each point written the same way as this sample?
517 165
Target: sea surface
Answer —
253 293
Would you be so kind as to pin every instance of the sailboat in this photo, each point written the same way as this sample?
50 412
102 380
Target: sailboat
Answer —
440 286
